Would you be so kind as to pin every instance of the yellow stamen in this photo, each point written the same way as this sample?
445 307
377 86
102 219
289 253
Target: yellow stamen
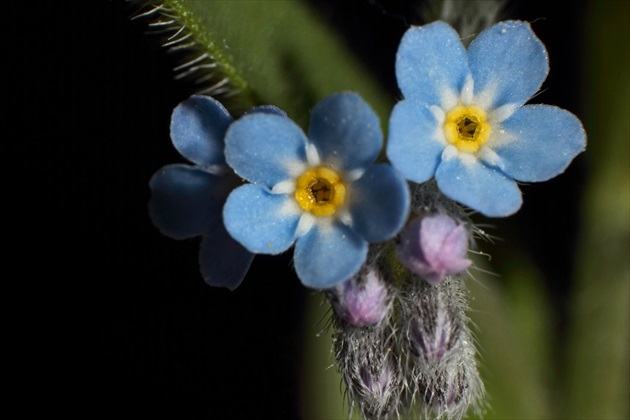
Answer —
320 190
467 128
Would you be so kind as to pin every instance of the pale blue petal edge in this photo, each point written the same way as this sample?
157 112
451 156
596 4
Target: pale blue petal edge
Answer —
223 261
379 203
346 131
185 200
198 126
479 187
511 58
429 59
328 255
411 145
258 220
546 139
269 109
261 147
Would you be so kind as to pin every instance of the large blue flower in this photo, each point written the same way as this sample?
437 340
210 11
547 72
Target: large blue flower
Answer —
463 118
187 200
324 193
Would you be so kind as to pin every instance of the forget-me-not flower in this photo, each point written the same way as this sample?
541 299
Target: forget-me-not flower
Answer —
324 193
463 118
187 200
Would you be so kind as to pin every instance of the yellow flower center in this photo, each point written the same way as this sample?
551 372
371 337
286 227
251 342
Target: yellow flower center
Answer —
320 190
467 128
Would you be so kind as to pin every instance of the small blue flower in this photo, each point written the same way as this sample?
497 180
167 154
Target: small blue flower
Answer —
463 121
325 194
187 200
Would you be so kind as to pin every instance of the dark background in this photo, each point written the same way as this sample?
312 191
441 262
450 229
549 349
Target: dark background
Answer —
119 319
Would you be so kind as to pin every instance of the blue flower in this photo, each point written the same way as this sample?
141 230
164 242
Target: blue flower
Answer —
187 200
463 119
324 193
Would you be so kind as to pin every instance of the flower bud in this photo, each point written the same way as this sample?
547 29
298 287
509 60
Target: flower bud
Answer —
447 391
362 300
434 247
441 350
368 362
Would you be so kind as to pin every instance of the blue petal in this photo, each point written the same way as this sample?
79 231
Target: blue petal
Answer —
198 126
411 146
509 57
430 58
262 222
185 200
346 131
547 138
223 261
262 146
380 203
328 254
479 187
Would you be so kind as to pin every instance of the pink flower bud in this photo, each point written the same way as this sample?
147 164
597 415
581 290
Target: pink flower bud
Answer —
363 299
434 247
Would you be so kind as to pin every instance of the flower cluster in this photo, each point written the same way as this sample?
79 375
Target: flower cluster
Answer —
386 235
462 121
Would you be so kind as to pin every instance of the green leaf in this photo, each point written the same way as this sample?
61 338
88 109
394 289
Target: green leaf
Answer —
287 55
197 51
271 52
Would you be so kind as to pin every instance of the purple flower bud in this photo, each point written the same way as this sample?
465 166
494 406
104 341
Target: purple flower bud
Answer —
435 323
363 299
376 383
369 362
441 349
434 247
377 387
447 392
434 341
